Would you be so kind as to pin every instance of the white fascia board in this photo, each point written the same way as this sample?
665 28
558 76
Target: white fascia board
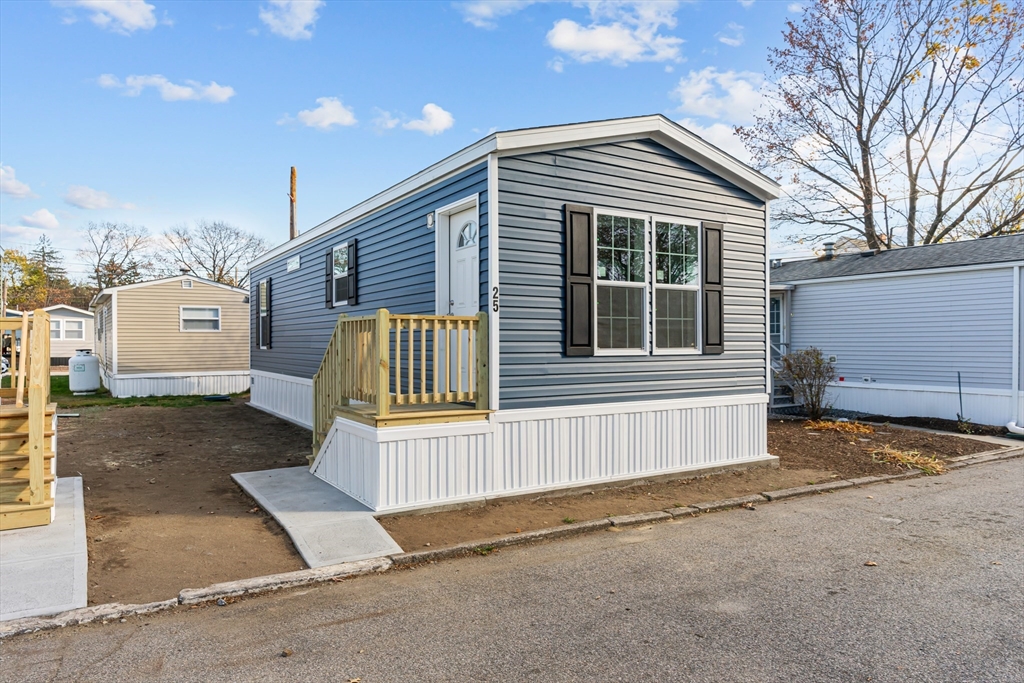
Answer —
897 273
456 163
70 308
165 280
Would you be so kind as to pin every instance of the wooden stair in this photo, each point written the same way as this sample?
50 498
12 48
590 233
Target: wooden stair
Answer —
16 507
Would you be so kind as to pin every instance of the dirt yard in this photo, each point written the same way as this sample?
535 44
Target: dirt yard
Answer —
162 512
805 457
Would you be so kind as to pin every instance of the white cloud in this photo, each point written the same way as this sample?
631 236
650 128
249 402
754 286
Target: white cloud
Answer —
720 135
485 13
41 219
794 8
619 33
733 96
746 3
87 198
384 120
329 114
735 36
170 92
293 19
11 186
435 120
557 65
120 16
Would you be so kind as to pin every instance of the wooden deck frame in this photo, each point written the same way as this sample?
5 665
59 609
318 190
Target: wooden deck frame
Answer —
389 370
26 458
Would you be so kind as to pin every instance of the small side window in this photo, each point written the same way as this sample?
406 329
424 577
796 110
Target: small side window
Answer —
200 319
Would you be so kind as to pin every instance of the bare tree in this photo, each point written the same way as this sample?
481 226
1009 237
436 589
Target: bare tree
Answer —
118 253
214 250
1000 213
894 120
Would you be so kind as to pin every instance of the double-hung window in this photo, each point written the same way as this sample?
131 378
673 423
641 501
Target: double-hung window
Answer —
200 319
676 285
54 329
621 282
74 329
340 274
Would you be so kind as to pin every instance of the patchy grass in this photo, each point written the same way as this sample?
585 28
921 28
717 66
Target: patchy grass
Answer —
61 394
844 427
908 459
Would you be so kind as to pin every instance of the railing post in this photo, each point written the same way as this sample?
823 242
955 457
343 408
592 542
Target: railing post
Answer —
23 359
483 384
383 362
37 405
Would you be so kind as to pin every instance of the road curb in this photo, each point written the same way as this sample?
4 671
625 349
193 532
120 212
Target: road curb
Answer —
263 584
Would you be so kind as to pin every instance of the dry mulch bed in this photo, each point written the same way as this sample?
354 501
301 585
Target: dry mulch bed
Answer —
162 512
937 423
805 457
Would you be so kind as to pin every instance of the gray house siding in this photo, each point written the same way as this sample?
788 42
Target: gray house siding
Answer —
917 329
639 176
396 267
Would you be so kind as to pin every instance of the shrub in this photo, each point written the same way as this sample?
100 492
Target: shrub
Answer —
809 372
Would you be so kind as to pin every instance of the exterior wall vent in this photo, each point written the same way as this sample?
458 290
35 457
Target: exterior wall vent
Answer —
186 284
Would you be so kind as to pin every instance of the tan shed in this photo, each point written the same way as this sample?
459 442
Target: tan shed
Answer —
182 335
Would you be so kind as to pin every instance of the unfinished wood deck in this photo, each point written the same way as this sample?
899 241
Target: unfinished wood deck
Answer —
409 415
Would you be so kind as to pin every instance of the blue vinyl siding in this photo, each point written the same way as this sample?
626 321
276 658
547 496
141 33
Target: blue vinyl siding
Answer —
637 176
395 271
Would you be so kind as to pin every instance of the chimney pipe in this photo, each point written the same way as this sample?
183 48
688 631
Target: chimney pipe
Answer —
829 250
292 231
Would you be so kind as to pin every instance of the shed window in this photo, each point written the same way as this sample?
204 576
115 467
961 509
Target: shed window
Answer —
200 319
54 329
340 274
74 329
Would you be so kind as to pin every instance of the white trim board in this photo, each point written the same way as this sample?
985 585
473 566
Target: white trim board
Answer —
657 127
493 284
164 375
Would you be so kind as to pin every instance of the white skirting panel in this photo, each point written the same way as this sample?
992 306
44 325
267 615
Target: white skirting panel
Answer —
287 397
981 406
202 384
525 451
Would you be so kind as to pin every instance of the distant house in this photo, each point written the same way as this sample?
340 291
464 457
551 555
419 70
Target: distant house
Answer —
175 336
71 329
902 323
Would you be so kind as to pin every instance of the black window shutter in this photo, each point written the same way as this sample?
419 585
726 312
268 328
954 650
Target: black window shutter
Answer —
352 273
580 280
329 280
265 321
711 288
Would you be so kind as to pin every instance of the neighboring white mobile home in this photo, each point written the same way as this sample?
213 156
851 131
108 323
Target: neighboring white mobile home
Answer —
71 329
175 336
903 323
546 308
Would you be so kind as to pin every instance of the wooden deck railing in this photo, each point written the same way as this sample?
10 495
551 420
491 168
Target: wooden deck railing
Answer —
25 453
404 360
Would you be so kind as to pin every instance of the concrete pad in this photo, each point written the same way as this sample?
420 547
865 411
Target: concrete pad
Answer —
43 569
326 526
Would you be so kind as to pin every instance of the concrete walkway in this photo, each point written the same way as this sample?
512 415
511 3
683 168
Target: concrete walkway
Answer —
43 569
326 526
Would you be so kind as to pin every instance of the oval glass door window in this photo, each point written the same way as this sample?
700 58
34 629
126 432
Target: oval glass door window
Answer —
467 236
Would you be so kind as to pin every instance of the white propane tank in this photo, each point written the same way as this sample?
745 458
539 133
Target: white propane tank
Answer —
84 373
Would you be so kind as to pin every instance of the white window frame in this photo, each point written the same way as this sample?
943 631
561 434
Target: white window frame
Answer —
64 331
334 288
181 319
261 314
60 328
696 350
645 323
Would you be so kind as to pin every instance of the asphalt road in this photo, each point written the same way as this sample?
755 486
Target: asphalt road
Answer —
781 593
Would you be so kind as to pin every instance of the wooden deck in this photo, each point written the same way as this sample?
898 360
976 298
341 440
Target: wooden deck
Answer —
409 415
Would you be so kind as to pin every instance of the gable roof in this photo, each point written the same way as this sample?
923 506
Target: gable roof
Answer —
990 250
656 127
103 293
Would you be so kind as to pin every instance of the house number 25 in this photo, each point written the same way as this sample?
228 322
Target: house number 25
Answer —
494 300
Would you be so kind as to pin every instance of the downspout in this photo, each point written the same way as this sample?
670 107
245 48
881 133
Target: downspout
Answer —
1014 426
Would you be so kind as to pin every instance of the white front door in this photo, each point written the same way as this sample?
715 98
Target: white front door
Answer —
464 263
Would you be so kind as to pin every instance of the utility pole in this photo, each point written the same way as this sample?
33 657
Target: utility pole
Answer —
292 231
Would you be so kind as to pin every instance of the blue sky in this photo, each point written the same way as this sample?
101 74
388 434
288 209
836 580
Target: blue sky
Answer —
158 113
